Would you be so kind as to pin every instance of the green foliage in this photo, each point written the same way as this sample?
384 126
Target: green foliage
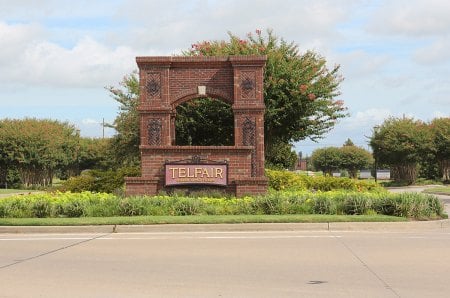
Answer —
440 129
36 148
125 143
327 159
349 157
204 122
81 183
93 153
100 181
411 205
324 205
285 180
299 91
401 143
354 158
41 208
282 156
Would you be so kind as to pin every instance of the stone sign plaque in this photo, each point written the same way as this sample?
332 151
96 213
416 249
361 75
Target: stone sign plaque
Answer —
192 174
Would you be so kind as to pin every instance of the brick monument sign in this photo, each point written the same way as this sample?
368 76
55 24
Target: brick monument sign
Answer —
165 83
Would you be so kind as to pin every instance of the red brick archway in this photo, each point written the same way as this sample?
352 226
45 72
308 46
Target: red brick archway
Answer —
166 82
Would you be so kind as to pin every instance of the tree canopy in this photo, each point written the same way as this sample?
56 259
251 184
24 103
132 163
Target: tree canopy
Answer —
440 130
299 89
36 148
326 159
354 158
348 157
125 144
215 117
402 143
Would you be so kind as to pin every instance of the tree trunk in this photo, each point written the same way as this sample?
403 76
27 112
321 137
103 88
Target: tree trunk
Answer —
404 173
444 167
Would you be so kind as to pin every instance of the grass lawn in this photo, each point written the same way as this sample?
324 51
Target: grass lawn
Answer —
196 219
440 190
13 191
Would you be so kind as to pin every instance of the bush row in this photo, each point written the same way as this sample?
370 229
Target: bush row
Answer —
411 205
99 181
111 181
284 180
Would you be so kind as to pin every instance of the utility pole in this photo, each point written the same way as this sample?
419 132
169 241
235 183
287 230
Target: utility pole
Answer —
103 127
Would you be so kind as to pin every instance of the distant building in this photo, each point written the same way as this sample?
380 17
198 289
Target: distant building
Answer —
302 163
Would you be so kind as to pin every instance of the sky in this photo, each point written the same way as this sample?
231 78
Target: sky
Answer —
57 57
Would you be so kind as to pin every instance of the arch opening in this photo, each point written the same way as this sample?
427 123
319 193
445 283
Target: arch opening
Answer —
204 121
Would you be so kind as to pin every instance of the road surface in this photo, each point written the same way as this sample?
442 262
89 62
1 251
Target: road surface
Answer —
227 264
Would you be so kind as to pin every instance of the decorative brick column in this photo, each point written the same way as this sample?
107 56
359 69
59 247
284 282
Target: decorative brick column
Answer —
166 82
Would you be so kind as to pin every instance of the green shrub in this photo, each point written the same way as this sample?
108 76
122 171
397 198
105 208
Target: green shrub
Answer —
81 183
356 204
385 205
73 208
324 204
187 206
269 204
285 180
130 207
411 205
100 181
41 208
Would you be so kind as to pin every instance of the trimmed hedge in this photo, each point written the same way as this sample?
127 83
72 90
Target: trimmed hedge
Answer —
111 181
99 181
284 180
410 205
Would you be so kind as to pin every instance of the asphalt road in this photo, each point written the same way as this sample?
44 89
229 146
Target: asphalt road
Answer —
227 264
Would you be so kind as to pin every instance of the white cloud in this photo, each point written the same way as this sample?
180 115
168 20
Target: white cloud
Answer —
31 59
63 9
440 114
359 64
412 18
90 121
366 118
176 25
436 53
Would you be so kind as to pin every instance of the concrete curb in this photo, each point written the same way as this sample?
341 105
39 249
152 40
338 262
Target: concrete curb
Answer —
248 227
55 229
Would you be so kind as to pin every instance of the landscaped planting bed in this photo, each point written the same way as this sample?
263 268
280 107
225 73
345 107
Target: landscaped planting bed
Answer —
87 204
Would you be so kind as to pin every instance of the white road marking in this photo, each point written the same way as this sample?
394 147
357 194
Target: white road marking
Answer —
173 238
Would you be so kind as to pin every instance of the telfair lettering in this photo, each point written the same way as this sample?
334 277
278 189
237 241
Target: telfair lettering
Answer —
189 172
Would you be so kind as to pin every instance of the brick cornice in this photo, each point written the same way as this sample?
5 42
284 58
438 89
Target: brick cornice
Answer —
196 149
168 61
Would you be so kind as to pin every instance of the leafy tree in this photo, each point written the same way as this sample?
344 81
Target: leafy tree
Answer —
125 144
205 122
354 158
282 157
299 89
91 153
401 143
440 129
299 94
327 159
36 148
349 143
